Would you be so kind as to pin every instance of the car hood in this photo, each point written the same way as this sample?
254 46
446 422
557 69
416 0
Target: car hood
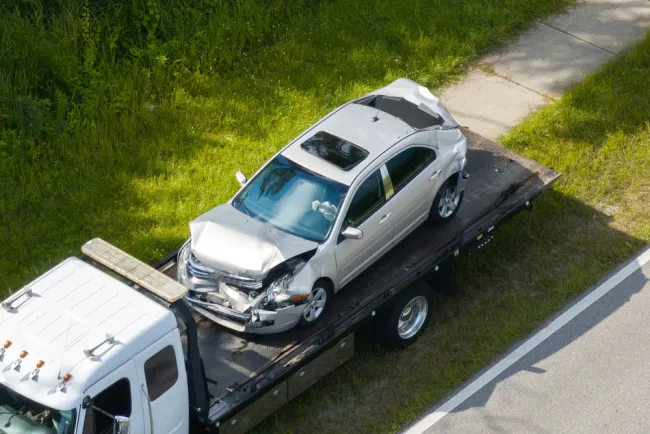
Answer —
230 241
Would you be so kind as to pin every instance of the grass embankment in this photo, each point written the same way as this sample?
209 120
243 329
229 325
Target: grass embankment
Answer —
127 119
598 136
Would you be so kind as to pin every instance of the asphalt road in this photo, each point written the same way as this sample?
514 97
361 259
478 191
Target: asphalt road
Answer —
588 374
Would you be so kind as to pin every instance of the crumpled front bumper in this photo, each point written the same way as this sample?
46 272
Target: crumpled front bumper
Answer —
257 321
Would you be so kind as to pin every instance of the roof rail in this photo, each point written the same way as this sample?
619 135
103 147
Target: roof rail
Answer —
8 304
134 270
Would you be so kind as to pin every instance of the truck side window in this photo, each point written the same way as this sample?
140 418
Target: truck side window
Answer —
161 372
114 400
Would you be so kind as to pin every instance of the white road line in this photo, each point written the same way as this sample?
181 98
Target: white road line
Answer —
469 390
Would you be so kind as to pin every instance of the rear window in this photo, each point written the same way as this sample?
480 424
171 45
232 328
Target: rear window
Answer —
405 110
334 150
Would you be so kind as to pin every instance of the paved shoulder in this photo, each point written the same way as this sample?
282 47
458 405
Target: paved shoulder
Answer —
591 374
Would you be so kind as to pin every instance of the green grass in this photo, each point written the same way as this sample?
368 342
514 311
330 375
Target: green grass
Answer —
112 126
597 215
125 120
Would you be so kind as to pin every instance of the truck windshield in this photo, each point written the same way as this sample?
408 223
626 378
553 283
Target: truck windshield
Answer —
293 199
20 415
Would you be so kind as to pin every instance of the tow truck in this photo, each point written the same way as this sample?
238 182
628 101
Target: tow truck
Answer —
106 343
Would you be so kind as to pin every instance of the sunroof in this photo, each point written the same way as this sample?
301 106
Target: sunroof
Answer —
334 150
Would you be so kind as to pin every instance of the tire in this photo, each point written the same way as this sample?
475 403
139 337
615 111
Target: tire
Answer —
443 202
313 310
397 327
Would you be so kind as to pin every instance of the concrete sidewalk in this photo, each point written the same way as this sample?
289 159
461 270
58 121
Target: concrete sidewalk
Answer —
511 83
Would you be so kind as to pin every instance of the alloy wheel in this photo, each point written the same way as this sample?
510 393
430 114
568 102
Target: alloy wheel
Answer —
315 304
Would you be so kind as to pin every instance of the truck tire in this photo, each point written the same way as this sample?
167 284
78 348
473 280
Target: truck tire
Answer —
447 202
318 303
407 317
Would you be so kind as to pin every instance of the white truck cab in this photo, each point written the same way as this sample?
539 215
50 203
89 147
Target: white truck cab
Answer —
82 352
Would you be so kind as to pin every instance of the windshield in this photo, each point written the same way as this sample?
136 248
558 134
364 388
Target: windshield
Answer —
293 199
20 415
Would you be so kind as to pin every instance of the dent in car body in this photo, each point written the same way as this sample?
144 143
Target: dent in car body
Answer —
225 239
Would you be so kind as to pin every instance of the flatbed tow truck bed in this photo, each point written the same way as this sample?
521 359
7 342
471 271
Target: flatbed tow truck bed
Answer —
250 376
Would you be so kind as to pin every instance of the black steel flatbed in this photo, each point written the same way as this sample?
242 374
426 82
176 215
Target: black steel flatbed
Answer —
251 376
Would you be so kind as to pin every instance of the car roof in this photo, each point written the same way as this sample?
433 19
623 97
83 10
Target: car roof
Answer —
366 127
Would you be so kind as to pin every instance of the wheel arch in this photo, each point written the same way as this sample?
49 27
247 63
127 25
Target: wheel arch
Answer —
326 280
454 177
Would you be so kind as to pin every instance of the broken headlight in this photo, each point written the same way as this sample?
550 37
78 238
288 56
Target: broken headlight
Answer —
183 257
277 293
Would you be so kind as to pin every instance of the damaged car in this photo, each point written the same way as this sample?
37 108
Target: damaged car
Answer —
323 209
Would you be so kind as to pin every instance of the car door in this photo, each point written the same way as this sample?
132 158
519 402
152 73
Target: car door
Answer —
416 176
372 213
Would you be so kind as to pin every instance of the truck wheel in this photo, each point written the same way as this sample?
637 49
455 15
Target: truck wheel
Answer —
447 202
407 318
317 304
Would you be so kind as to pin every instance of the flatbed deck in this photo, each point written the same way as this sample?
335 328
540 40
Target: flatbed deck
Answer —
239 367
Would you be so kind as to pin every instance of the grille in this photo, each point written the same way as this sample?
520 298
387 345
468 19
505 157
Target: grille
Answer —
201 271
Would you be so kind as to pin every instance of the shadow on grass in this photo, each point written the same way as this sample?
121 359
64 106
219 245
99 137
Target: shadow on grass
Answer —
536 264
500 419
136 175
566 249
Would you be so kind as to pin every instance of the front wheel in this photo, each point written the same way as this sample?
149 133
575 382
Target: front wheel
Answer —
317 304
407 318
447 202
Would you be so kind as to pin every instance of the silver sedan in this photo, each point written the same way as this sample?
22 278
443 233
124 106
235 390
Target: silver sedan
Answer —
323 209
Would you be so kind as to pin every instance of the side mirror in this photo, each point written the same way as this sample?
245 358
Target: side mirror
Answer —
122 425
241 178
352 233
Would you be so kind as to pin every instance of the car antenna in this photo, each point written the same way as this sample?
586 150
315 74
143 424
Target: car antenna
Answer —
376 117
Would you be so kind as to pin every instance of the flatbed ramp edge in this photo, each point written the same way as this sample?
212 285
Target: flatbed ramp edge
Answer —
249 377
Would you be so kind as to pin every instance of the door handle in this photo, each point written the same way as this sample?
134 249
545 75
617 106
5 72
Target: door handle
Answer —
435 174
384 218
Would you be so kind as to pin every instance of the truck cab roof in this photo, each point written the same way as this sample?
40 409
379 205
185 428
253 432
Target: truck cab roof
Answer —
51 327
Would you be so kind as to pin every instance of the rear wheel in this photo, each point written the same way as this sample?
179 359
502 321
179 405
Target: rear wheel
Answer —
317 304
447 202
407 318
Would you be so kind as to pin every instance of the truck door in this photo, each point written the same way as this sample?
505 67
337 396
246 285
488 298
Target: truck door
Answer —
116 394
163 386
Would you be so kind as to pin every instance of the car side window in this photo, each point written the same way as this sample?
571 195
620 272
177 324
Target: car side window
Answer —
114 400
407 164
161 372
368 198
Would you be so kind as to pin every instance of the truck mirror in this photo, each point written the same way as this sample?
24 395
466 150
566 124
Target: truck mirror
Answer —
122 425
241 178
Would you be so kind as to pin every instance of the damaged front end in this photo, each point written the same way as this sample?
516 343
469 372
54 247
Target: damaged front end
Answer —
241 303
